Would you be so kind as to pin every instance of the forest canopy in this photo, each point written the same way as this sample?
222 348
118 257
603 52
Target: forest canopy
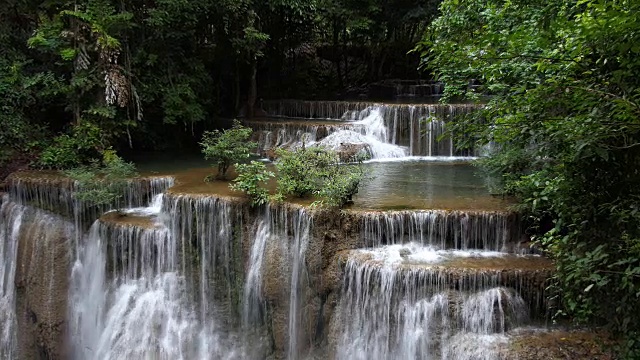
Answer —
86 75
562 117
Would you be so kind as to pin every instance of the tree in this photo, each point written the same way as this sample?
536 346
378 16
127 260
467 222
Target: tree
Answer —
563 115
227 147
85 38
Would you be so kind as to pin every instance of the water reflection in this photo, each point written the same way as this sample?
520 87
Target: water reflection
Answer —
425 185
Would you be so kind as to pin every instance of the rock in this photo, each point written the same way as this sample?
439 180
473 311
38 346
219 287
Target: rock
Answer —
270 154
405 252
353 152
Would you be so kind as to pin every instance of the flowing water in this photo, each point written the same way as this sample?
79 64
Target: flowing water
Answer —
416 302
168 281
136 294
10 222
288 232
389 130
425 265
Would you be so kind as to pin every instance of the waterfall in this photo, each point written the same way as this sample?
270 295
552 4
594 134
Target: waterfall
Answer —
444 229
390 130
388 311
54 193
253 302
278 255
301 223
291 134
137 309
137 294
34 264
195 276
10 222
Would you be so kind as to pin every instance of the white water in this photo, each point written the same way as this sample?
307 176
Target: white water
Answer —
377 148
301 222
439 228
10 222
373 133
252 303
140 293
289 232
389 313
144 306
153 209
418 129
415 253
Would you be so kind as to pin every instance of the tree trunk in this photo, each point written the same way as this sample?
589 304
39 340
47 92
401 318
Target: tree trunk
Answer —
236 88
253 89
336 57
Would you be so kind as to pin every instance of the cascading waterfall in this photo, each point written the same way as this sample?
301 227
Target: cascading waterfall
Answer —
55 193
253 302
281 239
301 223
333 110
34 252
137 294
135 307
191 276
287 134
388 311
446 229
10 222
372 132
414 129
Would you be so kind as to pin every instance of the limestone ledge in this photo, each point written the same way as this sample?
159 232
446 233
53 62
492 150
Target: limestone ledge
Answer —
333 232
51 191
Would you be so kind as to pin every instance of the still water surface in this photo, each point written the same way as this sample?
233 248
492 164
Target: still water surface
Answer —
412 183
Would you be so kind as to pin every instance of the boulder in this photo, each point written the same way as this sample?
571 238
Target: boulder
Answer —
349 152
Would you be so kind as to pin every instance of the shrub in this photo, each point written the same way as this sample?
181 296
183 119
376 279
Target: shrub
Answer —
317 171
102 184
301 172
227 147
249 180
340 186
77 149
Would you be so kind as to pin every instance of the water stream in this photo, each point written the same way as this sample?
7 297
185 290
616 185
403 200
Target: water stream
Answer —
10 222
424 266
389 130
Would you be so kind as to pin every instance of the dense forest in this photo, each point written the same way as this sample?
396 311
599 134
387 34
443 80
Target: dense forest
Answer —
558 81
563 120
80 76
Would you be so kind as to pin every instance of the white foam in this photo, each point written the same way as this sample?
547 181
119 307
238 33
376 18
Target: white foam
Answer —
377 148
417 254
423 158
152 210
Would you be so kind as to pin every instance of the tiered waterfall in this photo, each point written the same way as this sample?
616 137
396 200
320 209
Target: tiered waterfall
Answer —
388 130
180 271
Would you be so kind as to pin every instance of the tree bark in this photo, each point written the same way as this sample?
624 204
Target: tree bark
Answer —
253 89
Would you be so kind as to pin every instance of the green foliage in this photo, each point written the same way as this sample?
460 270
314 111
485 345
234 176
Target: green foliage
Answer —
102 184
301 172
227 147
340 185
316 171
563 113
155 74
250 180
81 147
